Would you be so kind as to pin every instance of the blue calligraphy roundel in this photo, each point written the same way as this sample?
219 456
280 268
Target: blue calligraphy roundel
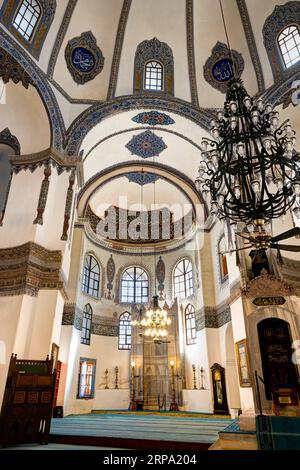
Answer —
223 70
83 59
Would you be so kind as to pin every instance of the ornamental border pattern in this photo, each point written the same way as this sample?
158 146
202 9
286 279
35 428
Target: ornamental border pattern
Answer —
27 268
60 37
126 251
101 326
44 158
246 22
95 114
276 93
212 317
191 51
39 79
115 64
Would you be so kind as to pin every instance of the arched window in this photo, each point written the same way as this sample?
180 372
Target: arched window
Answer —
222 259
190 325
27 18
153 67
153 76
125 331
86 325
183 279
91 276
289 43
134 286
281 38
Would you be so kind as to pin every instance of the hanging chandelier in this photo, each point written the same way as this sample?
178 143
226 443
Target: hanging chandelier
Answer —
250 166
154 322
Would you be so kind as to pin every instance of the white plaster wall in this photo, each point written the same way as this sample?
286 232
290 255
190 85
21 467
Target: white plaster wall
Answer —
230 364
198 401
45 324
208 30
105 351
9 318
18 227
197 354
265 9
101 18
166 21
25 116
239 333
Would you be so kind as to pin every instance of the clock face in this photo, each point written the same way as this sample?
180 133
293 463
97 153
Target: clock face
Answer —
223 70
83 60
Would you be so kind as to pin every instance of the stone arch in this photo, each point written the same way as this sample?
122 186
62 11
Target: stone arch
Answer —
14 53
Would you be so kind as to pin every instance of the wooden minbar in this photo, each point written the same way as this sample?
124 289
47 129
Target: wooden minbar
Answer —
28 400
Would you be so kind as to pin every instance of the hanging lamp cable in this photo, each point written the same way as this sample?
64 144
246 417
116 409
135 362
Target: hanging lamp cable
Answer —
154 200
227 39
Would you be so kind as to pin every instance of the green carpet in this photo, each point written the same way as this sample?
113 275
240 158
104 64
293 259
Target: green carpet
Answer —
279 432
161 427
179 414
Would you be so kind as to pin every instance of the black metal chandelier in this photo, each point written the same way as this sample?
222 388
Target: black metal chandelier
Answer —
250 167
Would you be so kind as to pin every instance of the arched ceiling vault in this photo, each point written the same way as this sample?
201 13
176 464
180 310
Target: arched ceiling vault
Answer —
174 178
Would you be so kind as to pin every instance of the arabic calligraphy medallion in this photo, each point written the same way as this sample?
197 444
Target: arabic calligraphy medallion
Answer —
223 70
222 65
84 58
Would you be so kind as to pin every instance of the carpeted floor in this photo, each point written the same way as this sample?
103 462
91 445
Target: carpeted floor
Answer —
140 427
180 414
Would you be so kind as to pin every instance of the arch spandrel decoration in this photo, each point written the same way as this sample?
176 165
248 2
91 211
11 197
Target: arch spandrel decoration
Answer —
34 46
158 51
281 17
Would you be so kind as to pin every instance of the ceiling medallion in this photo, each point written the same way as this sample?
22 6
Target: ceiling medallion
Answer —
153 118
84 58
146 145
219 68
142 178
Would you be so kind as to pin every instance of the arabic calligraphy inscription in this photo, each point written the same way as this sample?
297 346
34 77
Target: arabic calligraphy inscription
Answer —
222 66
223 70
84 58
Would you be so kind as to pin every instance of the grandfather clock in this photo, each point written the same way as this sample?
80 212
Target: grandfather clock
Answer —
219 388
